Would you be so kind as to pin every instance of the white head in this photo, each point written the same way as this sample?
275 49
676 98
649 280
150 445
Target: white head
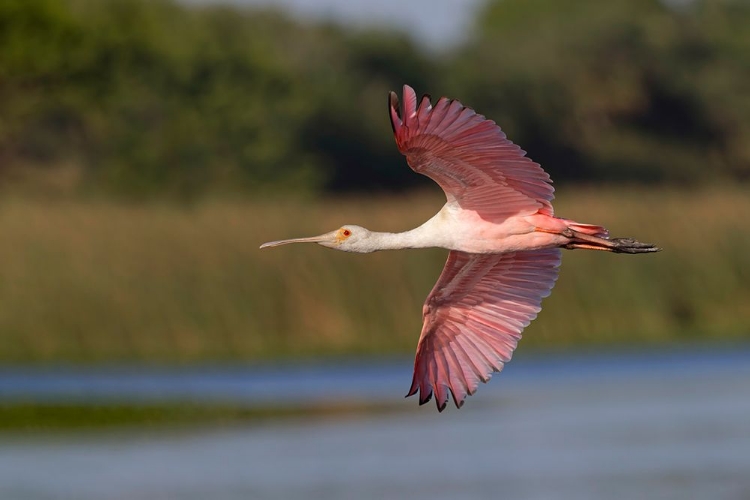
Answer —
347 238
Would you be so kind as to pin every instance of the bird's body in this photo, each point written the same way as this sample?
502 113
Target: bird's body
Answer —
503 237
455 229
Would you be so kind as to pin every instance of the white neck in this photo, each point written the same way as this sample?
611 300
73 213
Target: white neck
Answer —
432 233
415 238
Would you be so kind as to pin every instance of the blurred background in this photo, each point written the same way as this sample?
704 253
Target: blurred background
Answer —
148 349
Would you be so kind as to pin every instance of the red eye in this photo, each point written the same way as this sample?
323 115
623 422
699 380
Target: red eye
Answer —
347 232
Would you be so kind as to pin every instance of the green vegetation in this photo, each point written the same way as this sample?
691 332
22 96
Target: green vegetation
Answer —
616 90
154 98
147 147
96 282
143 98
51 417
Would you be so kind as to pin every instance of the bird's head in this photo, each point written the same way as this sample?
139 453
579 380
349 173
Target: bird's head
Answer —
347 238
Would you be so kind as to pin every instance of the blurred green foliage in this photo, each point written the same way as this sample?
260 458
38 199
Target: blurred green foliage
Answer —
617 90
153 98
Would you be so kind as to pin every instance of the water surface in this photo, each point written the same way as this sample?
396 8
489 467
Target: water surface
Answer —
636 426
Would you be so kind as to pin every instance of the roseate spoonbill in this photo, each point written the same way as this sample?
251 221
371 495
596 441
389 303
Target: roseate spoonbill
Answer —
503 238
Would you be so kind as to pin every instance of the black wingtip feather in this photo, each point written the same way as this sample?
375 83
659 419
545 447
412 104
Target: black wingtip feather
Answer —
458 403
425 400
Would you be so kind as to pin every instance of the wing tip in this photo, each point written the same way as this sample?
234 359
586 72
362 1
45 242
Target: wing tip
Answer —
402 112
395 113
459 402
409 105
408 92
423 400
410 393
441 405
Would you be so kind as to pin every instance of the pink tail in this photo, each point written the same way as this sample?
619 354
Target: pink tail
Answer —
593 230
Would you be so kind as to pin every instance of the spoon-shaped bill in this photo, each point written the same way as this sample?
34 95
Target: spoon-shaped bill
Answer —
323 238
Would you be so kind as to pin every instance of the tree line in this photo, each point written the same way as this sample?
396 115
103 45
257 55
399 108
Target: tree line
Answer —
151 98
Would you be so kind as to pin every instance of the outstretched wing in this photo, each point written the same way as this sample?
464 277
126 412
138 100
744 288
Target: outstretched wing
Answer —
469 157
474 316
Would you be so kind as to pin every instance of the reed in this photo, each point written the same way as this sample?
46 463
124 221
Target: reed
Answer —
99 281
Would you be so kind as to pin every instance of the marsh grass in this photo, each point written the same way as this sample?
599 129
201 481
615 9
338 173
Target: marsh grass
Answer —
94 282
35 417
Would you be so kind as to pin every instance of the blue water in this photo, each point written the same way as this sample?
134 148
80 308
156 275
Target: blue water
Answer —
353 380
670 425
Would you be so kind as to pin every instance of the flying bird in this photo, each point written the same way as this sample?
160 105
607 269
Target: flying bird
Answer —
504 240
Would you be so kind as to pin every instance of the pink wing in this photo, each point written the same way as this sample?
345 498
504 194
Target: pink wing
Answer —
473 319
469 157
